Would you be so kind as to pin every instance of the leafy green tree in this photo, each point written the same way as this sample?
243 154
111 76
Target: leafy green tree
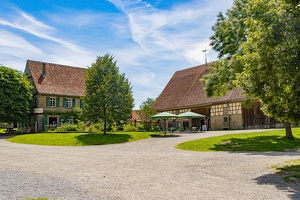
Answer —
266 63
108 94
146 111
15 96
230 30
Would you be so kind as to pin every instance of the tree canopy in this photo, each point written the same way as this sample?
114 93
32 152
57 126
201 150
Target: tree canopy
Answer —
108 94
15 96
229 30
263 58
146 111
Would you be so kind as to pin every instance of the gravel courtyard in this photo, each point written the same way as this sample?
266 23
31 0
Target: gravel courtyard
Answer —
145 169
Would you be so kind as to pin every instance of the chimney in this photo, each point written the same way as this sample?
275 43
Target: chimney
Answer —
44 71
43 74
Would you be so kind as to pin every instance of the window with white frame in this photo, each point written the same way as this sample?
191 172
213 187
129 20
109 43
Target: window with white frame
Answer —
224 109
225 120
70 120
69 103
52 102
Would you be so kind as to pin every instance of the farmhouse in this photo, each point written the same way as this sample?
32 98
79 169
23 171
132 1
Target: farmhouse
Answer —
57 91
184 92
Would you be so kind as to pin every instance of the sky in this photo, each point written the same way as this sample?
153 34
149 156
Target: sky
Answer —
149 39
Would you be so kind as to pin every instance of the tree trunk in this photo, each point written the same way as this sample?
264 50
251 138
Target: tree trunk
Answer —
288 131
104 131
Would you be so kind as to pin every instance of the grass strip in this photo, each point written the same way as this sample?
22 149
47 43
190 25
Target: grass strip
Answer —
256 141
79 139
290 171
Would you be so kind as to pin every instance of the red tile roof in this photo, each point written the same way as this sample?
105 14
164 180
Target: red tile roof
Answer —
55 79
135 115
185 90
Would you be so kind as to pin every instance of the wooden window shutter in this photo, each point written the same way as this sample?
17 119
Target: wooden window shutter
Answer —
81 103
64 102
33 102
45 119
48 101
73 103
62 119
57 102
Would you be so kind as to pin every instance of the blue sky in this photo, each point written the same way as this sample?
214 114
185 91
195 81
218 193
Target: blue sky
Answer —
149 39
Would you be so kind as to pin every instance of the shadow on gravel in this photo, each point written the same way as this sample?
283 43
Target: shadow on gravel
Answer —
293 189
164 136
5 136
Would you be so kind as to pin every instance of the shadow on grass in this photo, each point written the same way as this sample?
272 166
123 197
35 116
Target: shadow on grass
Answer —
259 144
100 139
161 135
284 179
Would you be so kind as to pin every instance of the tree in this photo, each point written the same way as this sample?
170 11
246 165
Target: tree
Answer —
15 96
229 33
146 111
108 95
266 63
230 30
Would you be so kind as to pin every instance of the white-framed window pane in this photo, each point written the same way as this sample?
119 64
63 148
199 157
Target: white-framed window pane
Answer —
69 103
225 120
52 102
70 120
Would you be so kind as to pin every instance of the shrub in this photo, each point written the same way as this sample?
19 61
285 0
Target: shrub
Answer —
99 126
140 127
70 128
94 127
130 128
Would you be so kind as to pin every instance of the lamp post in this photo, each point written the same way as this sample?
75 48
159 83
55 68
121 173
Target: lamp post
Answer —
205 50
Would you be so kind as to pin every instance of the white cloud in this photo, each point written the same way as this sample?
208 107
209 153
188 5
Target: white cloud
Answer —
11 40
174 37
178 29
78 19
15 49
21 20
47 47
56 53
29 24
196 54
149 43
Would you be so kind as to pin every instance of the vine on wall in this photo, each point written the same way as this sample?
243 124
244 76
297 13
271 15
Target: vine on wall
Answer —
67 114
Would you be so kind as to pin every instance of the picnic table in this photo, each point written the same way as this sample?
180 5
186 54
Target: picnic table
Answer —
10 130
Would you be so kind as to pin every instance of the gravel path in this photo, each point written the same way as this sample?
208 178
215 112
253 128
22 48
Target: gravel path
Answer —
145 169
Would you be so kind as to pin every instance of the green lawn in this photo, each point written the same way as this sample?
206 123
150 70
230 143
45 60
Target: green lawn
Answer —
79 139
260 142
290 171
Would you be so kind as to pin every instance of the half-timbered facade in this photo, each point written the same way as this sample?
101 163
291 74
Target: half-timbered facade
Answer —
184 92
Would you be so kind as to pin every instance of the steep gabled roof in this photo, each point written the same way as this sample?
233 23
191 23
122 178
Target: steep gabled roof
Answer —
135 115
185 90
55 79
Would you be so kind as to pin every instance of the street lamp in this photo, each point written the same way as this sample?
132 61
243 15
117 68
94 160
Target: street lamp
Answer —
205 50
